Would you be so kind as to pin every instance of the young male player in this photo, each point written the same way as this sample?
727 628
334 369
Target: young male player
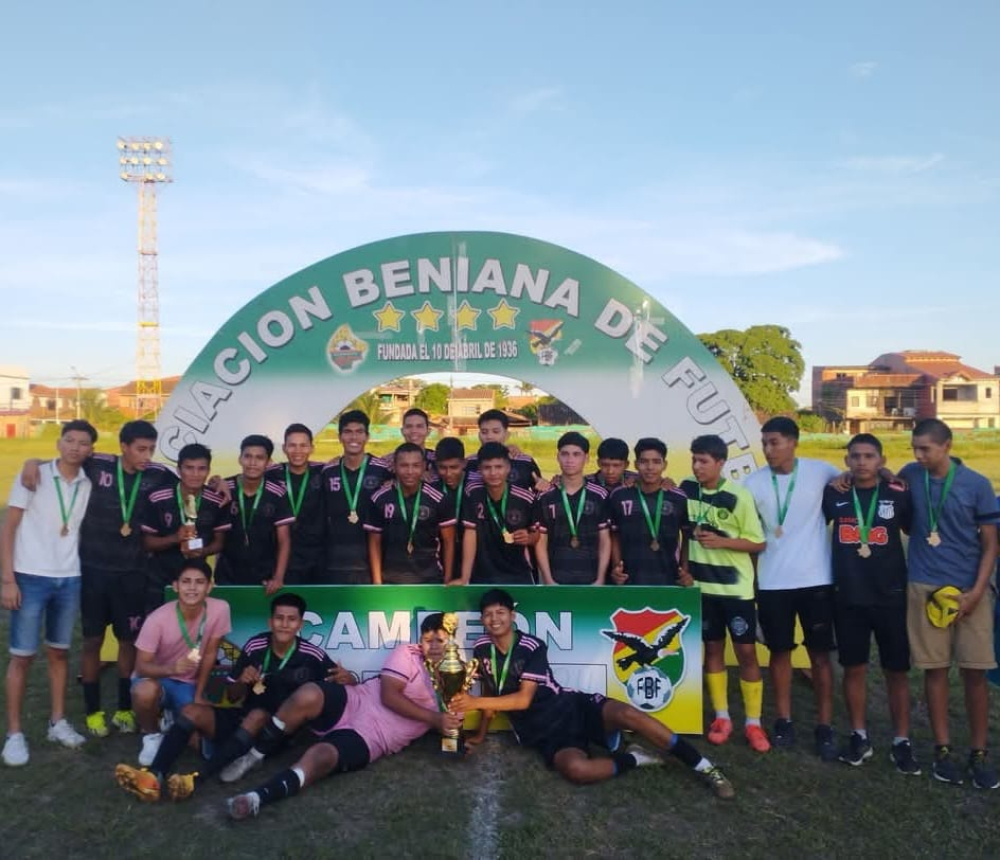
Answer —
646 521
348 486
415 429
175 652
869 577
612 465
40 580
562 724
494 427
725 530
953 543
354 726
303 483
411 528
574 543
182 523
498 518
258 546
449 459
272 665
794 578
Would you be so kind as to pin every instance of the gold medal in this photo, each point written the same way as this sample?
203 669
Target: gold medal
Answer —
352 517
778 531
64 531
126 529
934 539
507 536
864 550
194 655
409 548
655 546
574 542
259 688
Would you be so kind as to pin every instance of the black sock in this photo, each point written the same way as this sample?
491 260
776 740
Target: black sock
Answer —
229 750
686 753
270 738
124 694
92 696
283 785
624 762
172 745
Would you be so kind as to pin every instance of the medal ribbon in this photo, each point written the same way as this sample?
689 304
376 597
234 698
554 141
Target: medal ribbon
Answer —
127 509
573 524
180 504
934 513
654 527
63 512
352 501
410 521
243 511
865 524
502 678
284 660
183 625
783 508
703 508
296 502
500 520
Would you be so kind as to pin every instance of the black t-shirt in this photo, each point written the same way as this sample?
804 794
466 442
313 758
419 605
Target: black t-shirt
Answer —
627 475
499 562
251 548
879 579
102 545
529 661
453 501
573 565
399 566
523 470
346 543
308 663
643 564
162 517
309 528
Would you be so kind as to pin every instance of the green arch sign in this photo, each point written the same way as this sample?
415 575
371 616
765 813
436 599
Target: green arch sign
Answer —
461 302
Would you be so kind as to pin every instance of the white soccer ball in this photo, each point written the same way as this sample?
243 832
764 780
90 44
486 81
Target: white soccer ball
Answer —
649 689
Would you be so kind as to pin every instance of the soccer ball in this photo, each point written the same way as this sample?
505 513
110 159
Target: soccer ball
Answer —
649 689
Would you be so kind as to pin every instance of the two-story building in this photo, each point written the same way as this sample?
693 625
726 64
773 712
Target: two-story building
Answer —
15 401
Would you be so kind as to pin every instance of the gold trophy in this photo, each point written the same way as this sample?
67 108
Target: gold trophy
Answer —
450 676
189 517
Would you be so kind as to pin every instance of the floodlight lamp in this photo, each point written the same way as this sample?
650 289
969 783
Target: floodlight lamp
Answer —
134 146
123 160
161 161
123 175
158 144
161 176
147 160
121 144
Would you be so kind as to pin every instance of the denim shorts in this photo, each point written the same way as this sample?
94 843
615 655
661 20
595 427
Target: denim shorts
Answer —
174 694
52 600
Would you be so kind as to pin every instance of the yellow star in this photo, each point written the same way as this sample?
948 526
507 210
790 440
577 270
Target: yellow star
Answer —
503 315
427 318
388 318
466 316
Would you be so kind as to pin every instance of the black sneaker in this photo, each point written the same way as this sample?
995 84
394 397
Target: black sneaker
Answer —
901 755
826 743
783 734
857 751
944 768
983 774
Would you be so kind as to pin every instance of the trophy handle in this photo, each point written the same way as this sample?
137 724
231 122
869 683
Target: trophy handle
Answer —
470 674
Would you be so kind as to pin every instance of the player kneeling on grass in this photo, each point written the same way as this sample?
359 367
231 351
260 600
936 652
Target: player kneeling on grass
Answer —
562 724
272 665
175 653
355 725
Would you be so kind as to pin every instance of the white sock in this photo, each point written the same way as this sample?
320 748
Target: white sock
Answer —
722 715
301 774
703 765
257 754
279 723
898 740
861 733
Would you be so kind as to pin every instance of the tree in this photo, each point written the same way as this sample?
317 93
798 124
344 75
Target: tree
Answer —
500 398
765 362
371 405
525 387
810 422
433 398
529 411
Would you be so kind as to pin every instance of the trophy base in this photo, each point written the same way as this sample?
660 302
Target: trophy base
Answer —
193 545
453 747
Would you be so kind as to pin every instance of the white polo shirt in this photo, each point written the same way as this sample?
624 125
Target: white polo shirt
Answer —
39 547
800 558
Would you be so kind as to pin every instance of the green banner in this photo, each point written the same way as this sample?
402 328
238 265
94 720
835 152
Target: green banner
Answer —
635 644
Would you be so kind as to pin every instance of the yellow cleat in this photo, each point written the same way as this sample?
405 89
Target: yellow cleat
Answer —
125 722
97 725
139 782
180 786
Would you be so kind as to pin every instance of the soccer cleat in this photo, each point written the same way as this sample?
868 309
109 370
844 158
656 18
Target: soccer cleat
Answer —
97 725
139 782
125 722
825 742
901 755
244 806
944 768
643 758
982 773
61 732
720 730
240 767
784 733
15 750
180 786
722 787
857 751
614 742
150 747
757 739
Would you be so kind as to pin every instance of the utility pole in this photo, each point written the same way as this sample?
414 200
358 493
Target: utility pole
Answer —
79 380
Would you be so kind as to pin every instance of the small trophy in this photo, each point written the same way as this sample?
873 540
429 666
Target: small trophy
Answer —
450 676
190 517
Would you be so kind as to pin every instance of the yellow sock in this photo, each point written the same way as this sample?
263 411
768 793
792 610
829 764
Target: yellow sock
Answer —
753 698
718 690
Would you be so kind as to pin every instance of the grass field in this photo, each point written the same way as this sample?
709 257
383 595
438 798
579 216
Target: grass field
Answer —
502 802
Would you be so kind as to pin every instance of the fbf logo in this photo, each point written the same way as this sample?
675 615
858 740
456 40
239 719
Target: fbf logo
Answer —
648 654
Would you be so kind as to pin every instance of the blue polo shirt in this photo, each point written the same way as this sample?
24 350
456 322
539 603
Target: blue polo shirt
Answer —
970 503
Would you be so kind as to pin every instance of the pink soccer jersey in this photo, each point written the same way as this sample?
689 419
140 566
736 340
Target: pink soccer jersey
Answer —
161 634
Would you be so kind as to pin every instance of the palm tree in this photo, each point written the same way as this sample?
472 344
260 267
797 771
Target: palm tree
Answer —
371 405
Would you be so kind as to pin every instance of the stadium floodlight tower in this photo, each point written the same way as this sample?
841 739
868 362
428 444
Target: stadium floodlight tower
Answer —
146 161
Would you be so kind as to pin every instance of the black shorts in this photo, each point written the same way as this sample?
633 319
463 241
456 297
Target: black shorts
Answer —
352 751
227 721
334 704
581 726
719 614
112 597
855 626
778 609
157 582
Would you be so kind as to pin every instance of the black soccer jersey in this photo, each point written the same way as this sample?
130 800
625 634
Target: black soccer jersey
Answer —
307 562
453 500
102 544
308 663
251 548
346 543
643 564
523 470
162 517
497 561
877 579
393 521
569 564
627 475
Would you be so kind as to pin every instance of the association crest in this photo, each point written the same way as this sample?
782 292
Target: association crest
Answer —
345 350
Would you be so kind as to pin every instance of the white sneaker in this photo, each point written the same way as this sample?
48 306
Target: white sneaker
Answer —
150 747
642 756
240 767
61 732
15 750
244 806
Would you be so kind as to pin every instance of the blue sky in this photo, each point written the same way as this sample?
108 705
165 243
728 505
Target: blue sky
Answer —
832 168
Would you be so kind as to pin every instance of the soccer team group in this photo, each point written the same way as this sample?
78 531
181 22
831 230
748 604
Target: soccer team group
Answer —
100 537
